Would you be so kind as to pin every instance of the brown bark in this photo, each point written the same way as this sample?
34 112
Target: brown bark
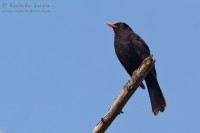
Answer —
125 94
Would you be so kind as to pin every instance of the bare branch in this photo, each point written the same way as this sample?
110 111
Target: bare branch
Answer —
125 94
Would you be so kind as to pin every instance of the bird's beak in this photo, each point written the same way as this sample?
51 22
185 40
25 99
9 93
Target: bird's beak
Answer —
111 25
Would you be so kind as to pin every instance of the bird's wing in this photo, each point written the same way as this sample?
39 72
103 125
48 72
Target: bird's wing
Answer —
140 45
144 49
137 38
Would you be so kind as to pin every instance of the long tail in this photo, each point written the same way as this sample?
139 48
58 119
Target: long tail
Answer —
158 102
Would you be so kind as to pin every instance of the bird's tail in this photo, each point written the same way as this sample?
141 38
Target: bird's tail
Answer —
158 102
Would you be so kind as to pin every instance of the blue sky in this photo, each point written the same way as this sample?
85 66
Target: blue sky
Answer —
59 72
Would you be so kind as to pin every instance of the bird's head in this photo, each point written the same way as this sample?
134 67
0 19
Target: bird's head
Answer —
122 30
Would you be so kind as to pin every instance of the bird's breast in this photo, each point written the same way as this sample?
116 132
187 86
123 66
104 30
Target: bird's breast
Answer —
126 50
128 55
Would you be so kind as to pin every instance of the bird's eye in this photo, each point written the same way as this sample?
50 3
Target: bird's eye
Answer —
121 26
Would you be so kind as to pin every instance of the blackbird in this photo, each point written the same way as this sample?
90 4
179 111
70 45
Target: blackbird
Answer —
131 50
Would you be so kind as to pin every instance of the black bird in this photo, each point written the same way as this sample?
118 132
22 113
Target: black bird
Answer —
131 50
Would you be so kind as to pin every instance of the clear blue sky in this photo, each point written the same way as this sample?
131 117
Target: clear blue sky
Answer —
59 72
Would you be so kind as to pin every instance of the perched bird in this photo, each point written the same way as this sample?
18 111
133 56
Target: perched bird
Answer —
131 50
